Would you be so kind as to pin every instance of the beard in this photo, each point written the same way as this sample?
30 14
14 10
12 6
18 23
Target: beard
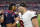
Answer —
21 11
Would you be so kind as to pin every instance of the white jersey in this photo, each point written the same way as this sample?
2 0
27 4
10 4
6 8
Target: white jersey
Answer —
26 18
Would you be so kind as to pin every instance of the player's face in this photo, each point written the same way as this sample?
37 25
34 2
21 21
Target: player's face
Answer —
21 9
1 11
14 7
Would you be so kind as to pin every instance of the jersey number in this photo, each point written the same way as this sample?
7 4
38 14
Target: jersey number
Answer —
21 23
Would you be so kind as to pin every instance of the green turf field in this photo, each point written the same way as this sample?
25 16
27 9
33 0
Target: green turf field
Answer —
38 17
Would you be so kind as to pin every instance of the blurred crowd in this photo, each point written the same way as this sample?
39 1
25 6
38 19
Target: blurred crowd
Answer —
30 6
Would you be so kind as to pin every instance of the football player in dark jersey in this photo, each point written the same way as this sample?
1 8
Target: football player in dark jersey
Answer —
9 16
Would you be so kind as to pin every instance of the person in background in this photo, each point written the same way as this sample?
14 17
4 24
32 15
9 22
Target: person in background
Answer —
1 18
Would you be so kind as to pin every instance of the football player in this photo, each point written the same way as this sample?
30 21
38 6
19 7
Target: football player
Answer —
9 16
2 18
28 18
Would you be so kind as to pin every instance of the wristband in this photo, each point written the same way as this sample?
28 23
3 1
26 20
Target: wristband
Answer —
17 22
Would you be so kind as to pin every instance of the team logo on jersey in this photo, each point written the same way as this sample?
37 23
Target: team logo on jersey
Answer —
21 18
6 14
12 15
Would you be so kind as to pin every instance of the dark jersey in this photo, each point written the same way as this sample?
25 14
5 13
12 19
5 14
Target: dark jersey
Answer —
9 17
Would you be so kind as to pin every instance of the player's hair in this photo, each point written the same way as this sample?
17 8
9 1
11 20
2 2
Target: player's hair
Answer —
23 4
10 6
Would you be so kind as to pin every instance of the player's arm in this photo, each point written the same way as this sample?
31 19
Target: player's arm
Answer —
9 25
16 21
35 22
34 19
14 24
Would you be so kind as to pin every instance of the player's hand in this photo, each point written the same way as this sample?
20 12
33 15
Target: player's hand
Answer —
17 19
16 13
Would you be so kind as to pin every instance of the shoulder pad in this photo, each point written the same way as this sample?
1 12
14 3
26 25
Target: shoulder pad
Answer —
32 11
7 12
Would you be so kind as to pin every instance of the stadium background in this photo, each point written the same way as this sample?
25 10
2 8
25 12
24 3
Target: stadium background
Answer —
31 5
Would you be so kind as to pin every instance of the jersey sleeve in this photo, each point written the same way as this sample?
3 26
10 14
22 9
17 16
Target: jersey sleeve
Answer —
16 15
33 14
7 18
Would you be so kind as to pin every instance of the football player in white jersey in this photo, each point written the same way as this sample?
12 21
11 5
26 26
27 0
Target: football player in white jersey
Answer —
29 18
